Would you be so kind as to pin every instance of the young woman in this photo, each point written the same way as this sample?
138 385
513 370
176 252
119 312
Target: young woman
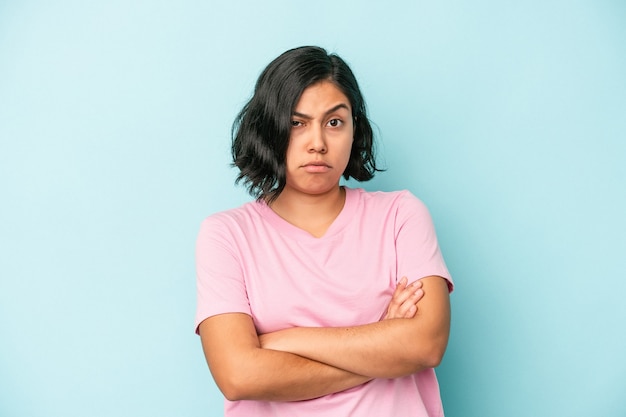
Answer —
317 299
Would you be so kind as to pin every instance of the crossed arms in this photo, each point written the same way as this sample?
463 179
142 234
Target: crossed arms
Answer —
303 363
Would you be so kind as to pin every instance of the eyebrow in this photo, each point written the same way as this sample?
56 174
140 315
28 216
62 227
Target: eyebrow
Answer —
329 111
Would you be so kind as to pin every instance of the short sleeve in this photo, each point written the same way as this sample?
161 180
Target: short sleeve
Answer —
417 248
220 283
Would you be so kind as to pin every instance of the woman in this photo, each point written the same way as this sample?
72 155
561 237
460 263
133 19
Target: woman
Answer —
304 306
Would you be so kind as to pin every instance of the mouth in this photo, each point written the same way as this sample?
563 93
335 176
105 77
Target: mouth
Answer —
317 164
316 167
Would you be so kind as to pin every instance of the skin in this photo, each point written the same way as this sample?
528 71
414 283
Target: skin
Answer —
317 155
387 349
244 370
303 363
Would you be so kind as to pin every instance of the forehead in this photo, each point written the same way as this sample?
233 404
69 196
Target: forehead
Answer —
322 95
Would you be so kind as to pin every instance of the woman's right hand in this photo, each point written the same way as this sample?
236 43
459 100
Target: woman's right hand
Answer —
403 303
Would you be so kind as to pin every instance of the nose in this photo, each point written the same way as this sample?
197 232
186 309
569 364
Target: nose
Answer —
317 141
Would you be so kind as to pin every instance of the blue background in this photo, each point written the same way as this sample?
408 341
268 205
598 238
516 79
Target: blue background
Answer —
508 120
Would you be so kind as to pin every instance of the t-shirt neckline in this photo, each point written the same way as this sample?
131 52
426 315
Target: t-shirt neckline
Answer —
286 228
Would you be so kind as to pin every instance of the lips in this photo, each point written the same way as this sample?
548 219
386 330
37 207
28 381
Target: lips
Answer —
316 164
316 167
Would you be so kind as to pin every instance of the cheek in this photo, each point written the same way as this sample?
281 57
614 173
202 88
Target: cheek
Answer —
289 159
348 149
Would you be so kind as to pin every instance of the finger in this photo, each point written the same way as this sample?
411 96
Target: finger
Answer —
407 311
410 313
404 298
417 295
408 308
400 286
407 293
416 284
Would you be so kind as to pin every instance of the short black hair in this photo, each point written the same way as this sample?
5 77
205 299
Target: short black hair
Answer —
261 131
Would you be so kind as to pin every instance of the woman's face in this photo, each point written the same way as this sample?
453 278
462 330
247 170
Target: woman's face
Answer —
321 138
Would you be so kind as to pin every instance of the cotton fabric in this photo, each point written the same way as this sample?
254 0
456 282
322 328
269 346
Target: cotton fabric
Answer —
250 260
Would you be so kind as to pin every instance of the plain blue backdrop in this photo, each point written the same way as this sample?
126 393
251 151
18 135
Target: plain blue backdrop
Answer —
507 119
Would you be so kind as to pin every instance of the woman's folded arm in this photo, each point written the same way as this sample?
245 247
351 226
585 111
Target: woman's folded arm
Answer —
385 349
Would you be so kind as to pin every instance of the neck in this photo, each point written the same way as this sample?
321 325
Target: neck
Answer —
313 213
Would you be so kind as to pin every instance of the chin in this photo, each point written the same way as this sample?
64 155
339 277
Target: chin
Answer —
322 186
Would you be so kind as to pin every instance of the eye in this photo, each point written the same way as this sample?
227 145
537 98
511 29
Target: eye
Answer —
335 122
296 123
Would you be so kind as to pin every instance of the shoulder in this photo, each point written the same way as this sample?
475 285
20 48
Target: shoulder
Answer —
401 200
232 222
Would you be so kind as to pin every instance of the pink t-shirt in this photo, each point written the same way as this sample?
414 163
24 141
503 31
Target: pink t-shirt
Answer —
250 260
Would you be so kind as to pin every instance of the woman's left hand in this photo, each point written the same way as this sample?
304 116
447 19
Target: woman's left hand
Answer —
403 303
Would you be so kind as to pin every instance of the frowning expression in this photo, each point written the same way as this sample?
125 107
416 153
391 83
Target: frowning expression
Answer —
322 132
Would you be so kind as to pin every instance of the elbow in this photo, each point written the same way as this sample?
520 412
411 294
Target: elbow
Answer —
235 383
235 389
232 395
230 392
433 359
430 357
437 352
414 361
239 378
